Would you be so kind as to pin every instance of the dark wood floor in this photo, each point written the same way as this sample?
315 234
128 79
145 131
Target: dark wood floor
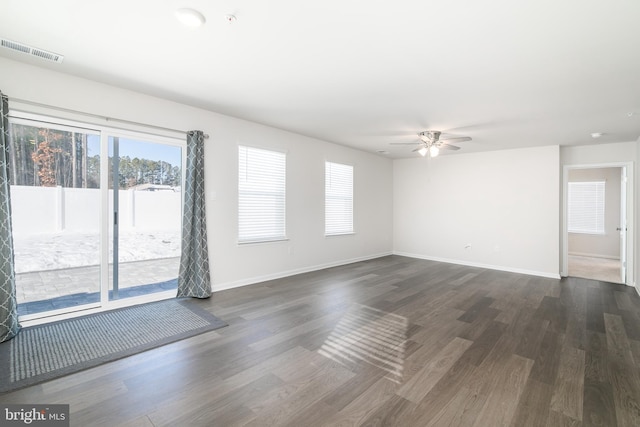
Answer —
393 341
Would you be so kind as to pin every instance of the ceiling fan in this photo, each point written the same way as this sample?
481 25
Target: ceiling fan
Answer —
431 141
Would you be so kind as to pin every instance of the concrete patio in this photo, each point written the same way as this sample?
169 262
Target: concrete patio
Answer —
55 289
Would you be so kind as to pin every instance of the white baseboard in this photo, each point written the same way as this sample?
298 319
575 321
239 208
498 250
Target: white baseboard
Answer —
481 265
259 279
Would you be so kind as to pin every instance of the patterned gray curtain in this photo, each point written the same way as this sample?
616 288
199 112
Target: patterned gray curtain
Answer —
194 279
9 326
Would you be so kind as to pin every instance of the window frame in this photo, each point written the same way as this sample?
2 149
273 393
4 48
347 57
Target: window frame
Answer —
332 228
280 228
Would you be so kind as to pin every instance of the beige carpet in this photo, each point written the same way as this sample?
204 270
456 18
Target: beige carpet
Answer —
603 269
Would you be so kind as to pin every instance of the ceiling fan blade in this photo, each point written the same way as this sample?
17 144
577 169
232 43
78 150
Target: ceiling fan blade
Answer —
448 147
417 149
456 139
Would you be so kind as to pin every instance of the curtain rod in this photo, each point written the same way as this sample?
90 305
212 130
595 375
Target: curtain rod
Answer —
97 116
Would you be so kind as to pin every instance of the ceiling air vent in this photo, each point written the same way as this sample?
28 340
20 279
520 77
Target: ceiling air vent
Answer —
33 51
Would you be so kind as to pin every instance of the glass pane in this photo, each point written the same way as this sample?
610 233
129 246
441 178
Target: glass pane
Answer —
148 208
55 202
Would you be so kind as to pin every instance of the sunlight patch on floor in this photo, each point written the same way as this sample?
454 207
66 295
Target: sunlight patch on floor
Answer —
366 334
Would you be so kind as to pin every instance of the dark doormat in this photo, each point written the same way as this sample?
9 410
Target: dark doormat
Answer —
44 352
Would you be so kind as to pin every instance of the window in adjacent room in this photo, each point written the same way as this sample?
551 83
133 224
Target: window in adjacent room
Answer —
586 207
338 199
261 195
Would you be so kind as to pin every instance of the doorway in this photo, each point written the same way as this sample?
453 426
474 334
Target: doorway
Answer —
596 213
96 216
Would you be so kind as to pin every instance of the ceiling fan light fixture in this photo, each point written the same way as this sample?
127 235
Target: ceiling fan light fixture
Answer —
423 151
190 17
434 151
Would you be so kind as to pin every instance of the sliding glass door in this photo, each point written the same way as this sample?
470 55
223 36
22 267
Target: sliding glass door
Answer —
55 204
96 216
145 202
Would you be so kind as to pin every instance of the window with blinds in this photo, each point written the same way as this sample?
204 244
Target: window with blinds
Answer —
261 195
338 199
586 207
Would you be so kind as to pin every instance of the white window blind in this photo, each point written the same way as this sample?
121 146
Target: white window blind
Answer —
261 195
586 207
338 199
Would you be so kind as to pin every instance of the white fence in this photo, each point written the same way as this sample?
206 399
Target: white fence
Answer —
38 210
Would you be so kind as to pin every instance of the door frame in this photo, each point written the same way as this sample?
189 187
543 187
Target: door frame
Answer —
630 214
105 132
107 215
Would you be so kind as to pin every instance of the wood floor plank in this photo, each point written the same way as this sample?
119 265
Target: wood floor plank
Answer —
431 342
555 312
484 344
568 390
351 390
623 301
547 361
531 338
396 411
609 303
142 421
462 410
557 419
631 321
502 401
596 358
635 351
484 320
435 316
365 405
423 381
576 332
316 414
533 405
476 309
595 310
444 391
319 323
599 406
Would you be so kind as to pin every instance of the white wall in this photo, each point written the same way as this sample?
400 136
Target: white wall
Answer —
503 204
598 154
235 264
605 245
607 155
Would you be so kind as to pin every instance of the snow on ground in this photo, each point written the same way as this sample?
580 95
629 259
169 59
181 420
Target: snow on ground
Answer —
55 251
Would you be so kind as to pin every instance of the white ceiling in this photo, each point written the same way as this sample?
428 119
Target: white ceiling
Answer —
364 73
